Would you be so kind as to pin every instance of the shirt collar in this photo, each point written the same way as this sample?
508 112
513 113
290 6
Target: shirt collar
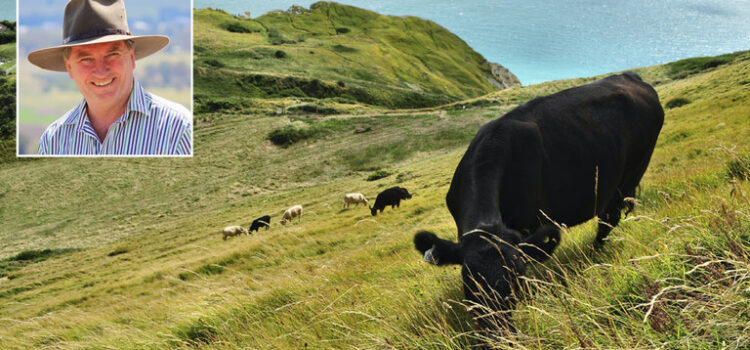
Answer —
137 103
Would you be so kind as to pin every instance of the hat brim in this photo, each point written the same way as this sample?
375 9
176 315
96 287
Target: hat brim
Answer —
51 58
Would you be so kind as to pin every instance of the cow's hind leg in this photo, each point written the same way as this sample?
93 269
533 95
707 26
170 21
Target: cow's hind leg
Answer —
609 219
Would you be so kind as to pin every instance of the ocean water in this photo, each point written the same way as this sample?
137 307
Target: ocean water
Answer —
8 10
541 40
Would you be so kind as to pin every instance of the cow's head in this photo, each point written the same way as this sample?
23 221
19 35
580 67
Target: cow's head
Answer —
491 265
373 211
404 193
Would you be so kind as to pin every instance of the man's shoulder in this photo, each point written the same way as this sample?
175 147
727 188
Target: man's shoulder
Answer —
60 128
68 119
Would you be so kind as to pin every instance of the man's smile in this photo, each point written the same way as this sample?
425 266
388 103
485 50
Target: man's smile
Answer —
103 83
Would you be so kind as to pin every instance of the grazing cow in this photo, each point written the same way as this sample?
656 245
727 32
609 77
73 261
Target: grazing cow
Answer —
291 213
355 198
231 231
391 196
263 221
565 157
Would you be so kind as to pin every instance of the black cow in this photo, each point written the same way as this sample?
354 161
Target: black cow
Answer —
391 196
260 222
565 157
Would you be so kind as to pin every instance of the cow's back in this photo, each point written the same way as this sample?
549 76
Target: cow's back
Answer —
594 137
582 143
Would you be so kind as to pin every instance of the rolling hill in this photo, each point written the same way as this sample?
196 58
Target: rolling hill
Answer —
337 52
127 253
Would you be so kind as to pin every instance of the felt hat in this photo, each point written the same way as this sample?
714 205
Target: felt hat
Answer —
93 22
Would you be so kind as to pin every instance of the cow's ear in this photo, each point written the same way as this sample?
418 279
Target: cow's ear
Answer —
542 243
436 250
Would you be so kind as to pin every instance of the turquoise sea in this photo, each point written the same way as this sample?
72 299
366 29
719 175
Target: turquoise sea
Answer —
8 10
541 40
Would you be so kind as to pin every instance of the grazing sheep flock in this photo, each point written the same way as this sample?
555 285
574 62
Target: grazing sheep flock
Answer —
391 196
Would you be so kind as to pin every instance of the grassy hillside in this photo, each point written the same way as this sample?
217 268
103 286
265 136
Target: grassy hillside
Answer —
334 51
127 253
7 95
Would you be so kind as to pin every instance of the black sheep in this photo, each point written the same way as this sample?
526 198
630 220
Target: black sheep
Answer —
260 222
391 196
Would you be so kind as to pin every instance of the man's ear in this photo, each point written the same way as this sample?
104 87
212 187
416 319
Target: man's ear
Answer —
67 67
542 243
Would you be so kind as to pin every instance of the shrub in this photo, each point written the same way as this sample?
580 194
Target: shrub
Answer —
288 135
279 54
237 28
342 30
242 27
676 102
312 108
342 48
379 174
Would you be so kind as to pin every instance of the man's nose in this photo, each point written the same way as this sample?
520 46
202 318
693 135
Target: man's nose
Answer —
101 66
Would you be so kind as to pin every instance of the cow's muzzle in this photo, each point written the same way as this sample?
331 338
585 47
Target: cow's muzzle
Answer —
429 257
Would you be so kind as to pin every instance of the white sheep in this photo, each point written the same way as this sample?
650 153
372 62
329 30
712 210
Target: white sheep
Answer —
230 231
355 198
291 213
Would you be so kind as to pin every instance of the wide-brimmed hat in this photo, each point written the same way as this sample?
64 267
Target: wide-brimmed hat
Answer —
93 22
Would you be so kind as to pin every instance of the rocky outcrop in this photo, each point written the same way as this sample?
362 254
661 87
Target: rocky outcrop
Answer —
501 77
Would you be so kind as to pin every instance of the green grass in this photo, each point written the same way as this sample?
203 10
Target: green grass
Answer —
8 52
144 265
336 51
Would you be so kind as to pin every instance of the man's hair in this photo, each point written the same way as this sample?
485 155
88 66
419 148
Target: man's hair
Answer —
129 43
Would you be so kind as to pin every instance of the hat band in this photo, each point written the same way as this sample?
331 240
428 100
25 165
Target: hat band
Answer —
95 33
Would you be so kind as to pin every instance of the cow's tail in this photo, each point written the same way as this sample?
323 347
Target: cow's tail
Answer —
436 250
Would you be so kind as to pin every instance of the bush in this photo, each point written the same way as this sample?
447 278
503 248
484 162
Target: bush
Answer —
237 28
342 30
342 48
279 54
288 135
7 37
379 174
676 102
312 108
241 27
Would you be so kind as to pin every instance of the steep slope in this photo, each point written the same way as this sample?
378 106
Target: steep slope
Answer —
127 253
338 51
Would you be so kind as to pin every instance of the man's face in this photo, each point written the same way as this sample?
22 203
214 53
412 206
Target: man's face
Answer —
103 72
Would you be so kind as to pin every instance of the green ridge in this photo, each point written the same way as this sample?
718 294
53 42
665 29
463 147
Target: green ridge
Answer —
333 50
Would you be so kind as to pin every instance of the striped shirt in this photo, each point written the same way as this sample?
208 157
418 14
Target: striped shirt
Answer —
150 125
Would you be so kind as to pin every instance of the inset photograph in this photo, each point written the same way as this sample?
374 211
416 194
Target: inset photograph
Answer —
97 78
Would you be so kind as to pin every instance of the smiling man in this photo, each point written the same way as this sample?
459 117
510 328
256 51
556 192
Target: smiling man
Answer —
116 116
